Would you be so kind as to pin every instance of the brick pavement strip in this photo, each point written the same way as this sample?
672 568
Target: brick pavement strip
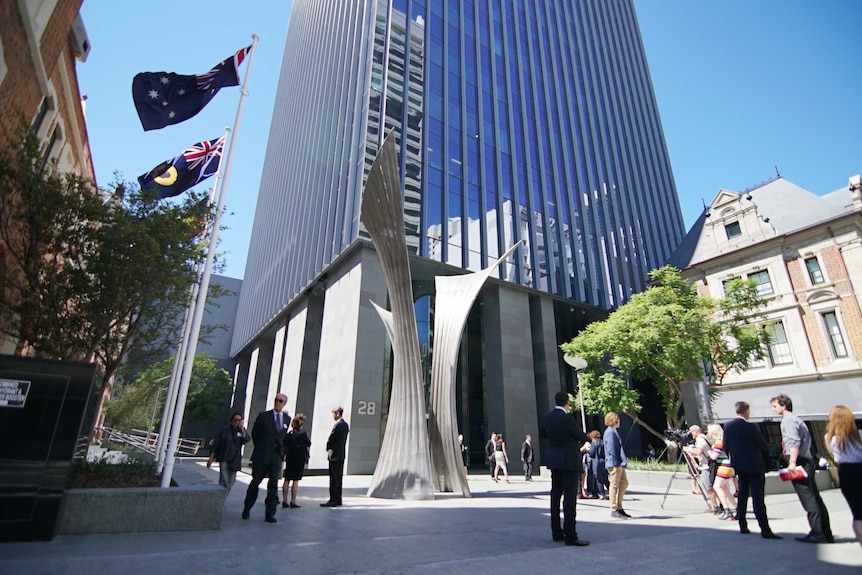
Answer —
503 528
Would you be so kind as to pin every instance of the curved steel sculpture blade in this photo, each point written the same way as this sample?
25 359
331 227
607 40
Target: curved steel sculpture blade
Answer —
453 299
404 466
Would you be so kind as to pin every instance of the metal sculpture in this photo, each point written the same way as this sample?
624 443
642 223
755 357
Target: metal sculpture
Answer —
454 296
404 466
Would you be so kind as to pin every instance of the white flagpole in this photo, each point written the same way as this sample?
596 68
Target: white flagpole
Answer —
200 303
170 398
176 372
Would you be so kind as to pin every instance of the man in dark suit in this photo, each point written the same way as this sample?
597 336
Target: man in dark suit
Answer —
266 459
749 456
489 453
336 453
563 458
527 458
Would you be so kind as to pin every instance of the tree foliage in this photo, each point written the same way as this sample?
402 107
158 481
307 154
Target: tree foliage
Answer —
137 404
664 336
91 273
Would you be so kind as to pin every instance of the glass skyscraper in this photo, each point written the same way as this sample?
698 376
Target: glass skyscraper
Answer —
518 120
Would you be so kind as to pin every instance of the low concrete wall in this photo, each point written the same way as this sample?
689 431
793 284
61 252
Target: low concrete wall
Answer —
195 504
774 485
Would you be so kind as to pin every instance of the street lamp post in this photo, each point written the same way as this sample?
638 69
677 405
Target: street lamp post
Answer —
579 364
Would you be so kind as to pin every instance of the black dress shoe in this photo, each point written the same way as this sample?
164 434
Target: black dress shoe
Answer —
626 514
810 538
577 543
284 504
271 520
770 535
329 504
619 515
293 505
245 513
558 538
744 530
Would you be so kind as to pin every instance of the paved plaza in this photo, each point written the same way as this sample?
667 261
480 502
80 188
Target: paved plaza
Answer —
503 529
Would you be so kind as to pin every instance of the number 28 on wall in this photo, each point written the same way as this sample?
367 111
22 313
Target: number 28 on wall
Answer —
367 408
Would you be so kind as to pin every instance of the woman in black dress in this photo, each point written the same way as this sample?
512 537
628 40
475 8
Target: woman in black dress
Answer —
296 444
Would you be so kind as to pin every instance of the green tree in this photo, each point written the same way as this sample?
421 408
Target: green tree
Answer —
138 404
663 336
89 274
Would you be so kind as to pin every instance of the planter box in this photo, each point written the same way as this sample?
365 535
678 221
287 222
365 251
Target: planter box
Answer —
774 485
194 505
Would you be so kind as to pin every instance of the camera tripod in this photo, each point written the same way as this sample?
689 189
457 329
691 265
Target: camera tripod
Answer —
693 471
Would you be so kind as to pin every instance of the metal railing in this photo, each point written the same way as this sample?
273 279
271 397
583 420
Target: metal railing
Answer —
146 441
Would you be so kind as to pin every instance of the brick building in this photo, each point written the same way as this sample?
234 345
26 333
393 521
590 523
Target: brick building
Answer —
804 252
40 42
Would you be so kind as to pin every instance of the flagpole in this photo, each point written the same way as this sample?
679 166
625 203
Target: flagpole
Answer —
171 397
200 303
176 372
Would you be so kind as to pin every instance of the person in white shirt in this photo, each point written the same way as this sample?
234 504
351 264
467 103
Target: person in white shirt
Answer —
845 446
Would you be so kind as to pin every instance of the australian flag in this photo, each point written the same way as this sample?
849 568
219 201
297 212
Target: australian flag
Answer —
194 165
165 98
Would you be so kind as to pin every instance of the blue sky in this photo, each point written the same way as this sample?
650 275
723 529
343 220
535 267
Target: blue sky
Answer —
742 87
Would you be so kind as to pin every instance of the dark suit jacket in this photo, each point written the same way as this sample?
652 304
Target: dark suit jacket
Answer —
564 441
489 449
746 447
338 440
268 441
296 444
527 452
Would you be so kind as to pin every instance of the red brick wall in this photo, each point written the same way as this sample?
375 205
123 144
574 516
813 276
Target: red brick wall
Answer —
20 92
832 261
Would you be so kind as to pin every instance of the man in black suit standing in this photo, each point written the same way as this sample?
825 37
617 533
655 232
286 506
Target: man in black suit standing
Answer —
266 459
527 458
336 453
564 460
749 456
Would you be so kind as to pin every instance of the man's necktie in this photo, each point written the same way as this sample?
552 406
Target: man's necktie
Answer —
278 421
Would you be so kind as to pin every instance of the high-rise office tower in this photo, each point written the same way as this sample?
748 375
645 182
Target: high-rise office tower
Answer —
530 121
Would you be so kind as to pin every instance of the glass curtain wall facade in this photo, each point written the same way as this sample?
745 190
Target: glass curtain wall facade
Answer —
529 120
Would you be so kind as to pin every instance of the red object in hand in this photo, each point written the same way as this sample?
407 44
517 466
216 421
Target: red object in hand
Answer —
792 474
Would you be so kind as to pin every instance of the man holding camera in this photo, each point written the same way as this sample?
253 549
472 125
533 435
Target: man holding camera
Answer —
698 453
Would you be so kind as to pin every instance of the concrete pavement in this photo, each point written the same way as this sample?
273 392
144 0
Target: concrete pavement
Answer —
502 529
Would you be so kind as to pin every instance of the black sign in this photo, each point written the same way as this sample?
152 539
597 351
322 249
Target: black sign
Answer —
13 392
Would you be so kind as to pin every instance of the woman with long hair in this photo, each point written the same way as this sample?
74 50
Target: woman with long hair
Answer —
723 475
501 458
845 445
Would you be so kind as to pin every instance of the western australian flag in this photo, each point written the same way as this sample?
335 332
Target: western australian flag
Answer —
194 165
165 98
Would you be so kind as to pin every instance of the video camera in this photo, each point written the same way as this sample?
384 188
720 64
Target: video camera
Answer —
680 436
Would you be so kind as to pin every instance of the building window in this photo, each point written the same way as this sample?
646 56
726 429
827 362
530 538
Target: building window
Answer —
41 114
733 229
47 153
835 336
726 283
779 348
814 272
762 283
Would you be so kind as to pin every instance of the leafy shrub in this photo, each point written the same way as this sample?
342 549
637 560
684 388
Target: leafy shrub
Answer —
133 471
